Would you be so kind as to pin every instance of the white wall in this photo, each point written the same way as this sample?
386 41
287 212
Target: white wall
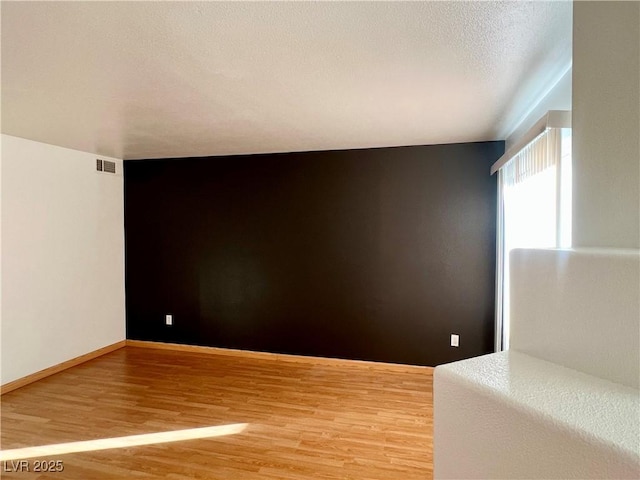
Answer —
62 256
579 308
606 124
512 416
557 98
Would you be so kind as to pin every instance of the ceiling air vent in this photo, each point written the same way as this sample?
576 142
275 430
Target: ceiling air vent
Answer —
105 166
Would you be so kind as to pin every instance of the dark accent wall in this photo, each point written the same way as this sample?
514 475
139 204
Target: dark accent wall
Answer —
376 254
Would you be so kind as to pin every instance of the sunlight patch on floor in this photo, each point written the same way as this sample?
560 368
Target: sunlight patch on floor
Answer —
122 442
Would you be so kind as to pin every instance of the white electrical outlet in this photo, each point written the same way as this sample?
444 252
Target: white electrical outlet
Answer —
168 319
455 340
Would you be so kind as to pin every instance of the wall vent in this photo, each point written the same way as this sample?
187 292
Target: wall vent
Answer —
105 166
109 167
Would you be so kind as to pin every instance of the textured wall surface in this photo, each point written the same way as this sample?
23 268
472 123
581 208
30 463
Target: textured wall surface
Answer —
373 254
606 122
62 256
580 309
512 416
564 401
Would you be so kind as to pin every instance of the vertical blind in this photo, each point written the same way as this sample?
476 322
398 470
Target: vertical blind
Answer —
540 154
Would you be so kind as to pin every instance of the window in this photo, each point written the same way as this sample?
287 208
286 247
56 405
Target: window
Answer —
534 207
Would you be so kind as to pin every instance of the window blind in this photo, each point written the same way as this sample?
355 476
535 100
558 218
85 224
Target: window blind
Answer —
541 153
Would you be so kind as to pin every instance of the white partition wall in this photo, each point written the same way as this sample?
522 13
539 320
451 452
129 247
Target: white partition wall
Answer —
606 122
580 309
564 401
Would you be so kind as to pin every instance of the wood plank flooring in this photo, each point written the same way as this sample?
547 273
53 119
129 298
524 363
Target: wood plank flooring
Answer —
304 421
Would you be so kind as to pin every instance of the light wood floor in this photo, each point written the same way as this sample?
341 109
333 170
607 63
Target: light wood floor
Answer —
304 421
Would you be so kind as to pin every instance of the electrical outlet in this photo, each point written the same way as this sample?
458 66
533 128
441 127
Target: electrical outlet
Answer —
168 319
455 340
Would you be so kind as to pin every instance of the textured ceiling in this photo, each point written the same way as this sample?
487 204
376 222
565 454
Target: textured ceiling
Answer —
176 79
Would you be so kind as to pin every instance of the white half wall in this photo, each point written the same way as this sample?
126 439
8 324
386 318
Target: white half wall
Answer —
606 122
512 416
580 309
62 256
563 402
